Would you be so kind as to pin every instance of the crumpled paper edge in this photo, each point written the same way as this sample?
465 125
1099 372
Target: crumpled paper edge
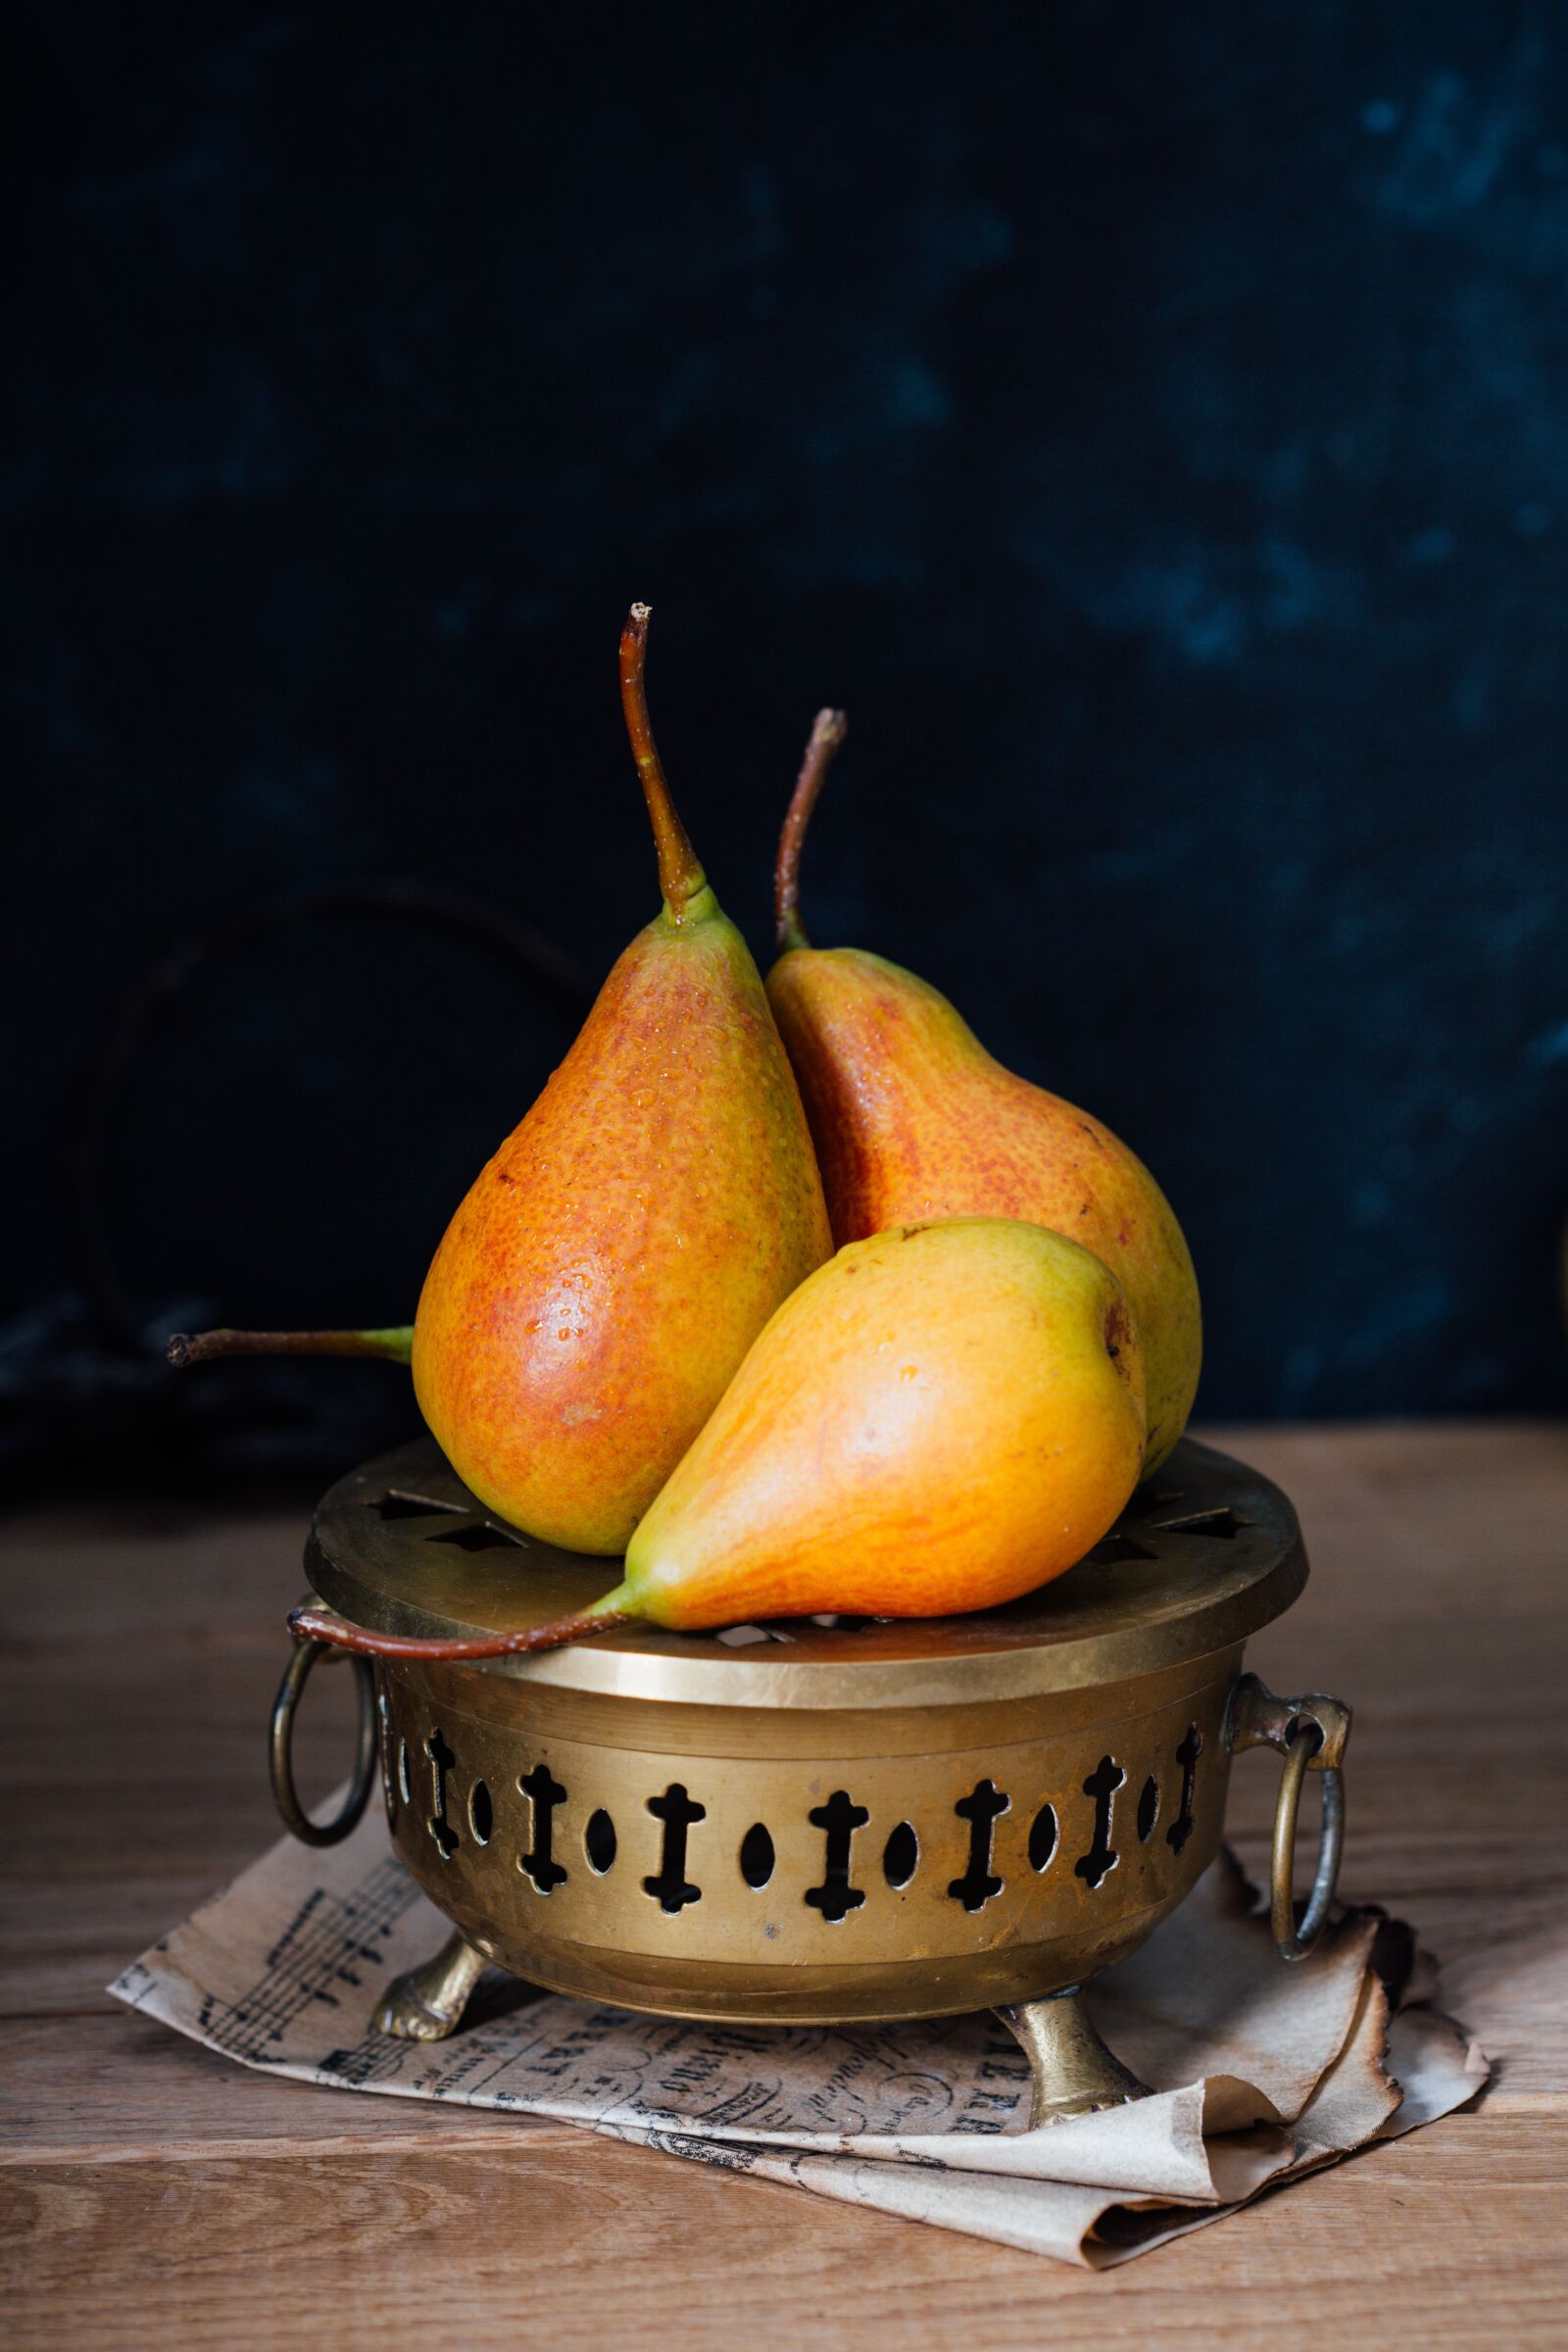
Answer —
1440 2068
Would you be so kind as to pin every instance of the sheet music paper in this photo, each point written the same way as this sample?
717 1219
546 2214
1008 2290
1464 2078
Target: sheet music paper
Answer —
1259 2071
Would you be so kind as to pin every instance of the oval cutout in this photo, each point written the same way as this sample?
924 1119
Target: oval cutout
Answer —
481 1813
756 1856
1148 1808
599 1842
1043 1838
404 1790
901 1856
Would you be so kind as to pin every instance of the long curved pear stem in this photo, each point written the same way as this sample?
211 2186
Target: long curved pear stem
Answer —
395 1344
680 873
828 731
325 1625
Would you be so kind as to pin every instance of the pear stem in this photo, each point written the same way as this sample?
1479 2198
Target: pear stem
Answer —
680 873
325 1625
828 730
395 1344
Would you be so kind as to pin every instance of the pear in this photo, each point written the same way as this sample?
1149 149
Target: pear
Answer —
612 1263
944 1417
938 1420
913 1119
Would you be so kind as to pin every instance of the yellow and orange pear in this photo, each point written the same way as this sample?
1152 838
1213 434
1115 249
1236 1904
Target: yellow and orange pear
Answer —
913 1119
614 1260
942 1418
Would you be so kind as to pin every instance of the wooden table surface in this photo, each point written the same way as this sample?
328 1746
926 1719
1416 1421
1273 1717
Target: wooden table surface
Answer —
153 2194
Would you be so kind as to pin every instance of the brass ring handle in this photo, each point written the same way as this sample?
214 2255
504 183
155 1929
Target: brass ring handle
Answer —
280 1744
1311 1734
1295 1941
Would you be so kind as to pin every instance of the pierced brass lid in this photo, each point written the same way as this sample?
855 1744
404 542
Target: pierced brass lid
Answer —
1203 1556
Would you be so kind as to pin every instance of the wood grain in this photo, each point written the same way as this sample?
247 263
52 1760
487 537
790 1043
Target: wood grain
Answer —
150 2194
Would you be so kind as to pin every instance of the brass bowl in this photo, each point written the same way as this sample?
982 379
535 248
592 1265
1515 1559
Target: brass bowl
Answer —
816 1822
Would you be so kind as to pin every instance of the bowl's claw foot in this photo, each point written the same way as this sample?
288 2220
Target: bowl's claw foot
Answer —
427 2003
1071 2071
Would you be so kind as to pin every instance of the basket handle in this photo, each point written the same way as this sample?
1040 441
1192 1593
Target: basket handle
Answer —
1311 1734
280 1747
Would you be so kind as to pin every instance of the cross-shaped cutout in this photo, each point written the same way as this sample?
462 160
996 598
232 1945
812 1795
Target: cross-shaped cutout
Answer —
1101 1784
543 1794
982 1809
670 1888
1187 1755
441 1762
837 1819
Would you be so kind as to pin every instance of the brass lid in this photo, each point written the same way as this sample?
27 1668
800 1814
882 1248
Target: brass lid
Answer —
1203 1555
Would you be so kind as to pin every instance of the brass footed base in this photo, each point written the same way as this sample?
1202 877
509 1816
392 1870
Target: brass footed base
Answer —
427 2004
1071 2070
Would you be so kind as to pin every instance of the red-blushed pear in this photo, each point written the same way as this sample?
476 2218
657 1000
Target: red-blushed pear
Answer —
938 1420
600 1285
913 1119
612 1263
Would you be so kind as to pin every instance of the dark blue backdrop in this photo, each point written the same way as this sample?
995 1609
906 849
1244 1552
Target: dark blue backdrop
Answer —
1149 422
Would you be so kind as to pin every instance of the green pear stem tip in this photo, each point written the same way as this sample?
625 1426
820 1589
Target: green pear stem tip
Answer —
680 873
394 1344
315 1624
828 730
